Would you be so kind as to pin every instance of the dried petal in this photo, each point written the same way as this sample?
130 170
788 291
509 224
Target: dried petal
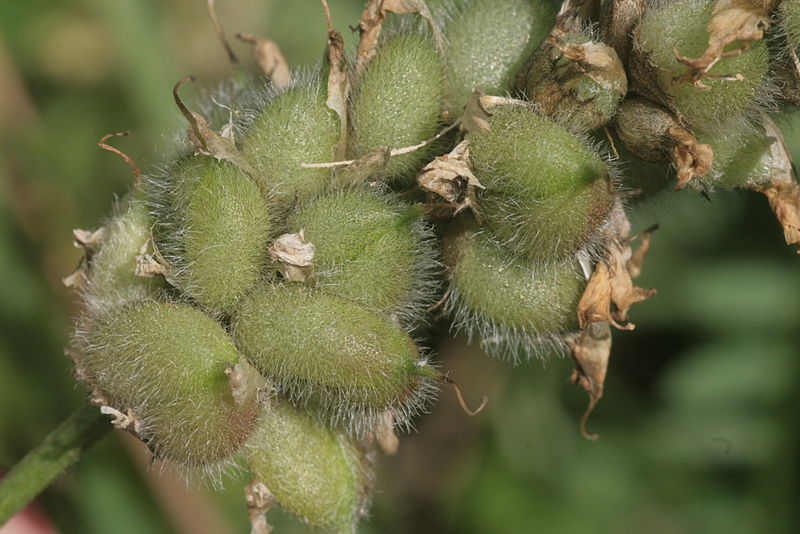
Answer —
450 177
89 240
384 435
358 171
591 350
731 21
610 291
259 501
269 58
295 256
205 140
478 110
371 24
338 86
692 159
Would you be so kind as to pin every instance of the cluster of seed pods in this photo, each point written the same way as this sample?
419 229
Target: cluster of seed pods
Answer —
258 297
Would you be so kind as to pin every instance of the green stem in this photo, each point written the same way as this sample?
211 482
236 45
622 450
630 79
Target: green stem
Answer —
60 449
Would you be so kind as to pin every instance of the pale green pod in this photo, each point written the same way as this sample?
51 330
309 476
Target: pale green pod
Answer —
515 308
329 352
295 127
580 92
740 160
681 25
487 42
371 250
111 275
219 233
167 362
319 474
396 102
546 194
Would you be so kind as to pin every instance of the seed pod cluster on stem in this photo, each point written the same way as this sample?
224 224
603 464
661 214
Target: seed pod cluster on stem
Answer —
259 297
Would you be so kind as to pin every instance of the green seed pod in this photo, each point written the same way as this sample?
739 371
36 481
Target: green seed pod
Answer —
329 352
547 194
741 160
576 80
167 362
645 178
397 101
516 309
372 250
111 275
294 127
318 474
791 21
681 25
787 51
487 41
216 229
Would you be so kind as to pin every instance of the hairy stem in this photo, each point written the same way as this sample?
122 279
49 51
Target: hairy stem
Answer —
60 449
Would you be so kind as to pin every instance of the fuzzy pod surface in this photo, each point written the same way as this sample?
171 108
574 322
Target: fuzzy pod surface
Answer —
111 275
546 193
516 308
579 85
396 102
740 160
217 231
791 18
316 473
369 249
681 25
329 352
487 41
167 362
294 127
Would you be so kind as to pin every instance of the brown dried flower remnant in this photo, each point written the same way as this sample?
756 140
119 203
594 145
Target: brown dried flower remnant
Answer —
450 177
654 134
269 58
591 350
295 256
732 21
610 292
259 501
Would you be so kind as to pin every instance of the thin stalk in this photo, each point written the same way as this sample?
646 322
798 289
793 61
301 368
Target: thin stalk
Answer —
60 449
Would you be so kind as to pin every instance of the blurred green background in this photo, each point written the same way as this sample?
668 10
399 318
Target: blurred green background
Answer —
700 423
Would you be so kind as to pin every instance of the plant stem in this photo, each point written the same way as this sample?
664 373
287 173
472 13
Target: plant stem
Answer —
60 449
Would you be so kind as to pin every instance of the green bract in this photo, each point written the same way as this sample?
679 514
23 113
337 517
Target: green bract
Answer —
167 362
369 250
681 25
515 308
218 244
397 101
546 192
327 351
486 43
316 473
294 127
111 275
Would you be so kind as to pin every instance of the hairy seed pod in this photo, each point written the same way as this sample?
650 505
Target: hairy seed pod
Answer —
326 351
167 362
487 42
642 178
218 231
576 80
516 308
397 101
317 473
371 250
546 193
111 276
681 25
788 52
294 127
741 160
